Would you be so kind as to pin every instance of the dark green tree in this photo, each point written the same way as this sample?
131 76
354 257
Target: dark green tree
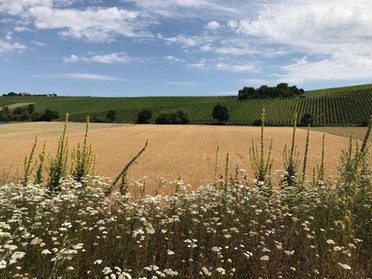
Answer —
221 113
111 115
144 116
307 119
49 115
31 108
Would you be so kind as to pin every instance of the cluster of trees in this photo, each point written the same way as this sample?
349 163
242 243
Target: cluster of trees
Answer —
281 90
219 113
24 94
173 117
27 113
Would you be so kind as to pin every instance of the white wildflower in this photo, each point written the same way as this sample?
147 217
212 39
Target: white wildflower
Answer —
221 270
46 252
345 266
330 242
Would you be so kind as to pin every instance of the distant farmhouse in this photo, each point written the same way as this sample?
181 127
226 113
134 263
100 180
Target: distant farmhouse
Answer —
24 94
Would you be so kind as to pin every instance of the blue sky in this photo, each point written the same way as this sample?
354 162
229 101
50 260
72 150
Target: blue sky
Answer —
182 47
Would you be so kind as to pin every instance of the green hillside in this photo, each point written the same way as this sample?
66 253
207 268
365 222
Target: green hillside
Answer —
345 106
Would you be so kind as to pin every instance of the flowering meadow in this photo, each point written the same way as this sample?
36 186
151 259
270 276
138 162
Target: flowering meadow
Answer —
233 228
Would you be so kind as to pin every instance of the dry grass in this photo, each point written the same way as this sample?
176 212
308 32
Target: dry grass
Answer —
173 150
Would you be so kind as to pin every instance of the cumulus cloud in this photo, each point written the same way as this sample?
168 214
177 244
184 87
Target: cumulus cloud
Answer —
335 35
7 46
213 25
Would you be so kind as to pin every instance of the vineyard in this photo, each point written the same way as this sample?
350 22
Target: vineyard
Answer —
345 106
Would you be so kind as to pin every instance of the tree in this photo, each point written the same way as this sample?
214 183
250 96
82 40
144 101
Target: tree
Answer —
246 93
307 119
31 108
144 116
221 113
49 115
173 117
111 115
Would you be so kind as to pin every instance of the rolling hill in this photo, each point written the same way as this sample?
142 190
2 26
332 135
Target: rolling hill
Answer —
344 106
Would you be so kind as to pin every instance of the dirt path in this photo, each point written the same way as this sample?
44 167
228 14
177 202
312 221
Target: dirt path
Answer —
174 150
16 105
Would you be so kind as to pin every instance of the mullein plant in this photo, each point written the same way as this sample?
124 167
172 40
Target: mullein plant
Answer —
39 171
354 172
58 163
29 164
291 159
261 169
306 153
83 158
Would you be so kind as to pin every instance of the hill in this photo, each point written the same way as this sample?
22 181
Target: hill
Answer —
345 106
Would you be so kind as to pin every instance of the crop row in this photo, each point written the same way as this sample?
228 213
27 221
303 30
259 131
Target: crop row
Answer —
329 107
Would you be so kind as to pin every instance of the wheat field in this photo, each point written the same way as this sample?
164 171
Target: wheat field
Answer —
174 151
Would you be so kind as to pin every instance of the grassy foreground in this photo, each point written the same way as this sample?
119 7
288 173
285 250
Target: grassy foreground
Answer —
75 227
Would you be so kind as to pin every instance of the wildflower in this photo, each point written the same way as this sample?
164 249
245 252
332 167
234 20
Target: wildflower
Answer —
150 229
205 271
3 264
330 242
78 246
46 252
107 270
170 253
264 258
36 241
97 262
215 249
70 268
345 266
221 270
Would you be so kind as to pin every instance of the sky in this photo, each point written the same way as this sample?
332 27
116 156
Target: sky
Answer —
119 48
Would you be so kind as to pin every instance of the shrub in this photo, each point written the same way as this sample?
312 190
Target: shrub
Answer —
173 117
49 115
307 119
111 115
144 116
221 113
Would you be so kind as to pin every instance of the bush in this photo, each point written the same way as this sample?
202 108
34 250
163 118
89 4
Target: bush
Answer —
173 117
49 115
307 119
221 113
144 117
257 122
111 115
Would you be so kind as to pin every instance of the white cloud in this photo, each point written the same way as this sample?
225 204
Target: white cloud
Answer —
213 25
234 67
83 76
94 24
342 66
88 76
6 46
111 58
71 59
180 39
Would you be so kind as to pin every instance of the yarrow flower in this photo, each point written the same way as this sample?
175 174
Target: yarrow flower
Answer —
345 266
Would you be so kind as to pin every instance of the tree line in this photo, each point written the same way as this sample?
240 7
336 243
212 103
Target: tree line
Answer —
264 91
27 113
